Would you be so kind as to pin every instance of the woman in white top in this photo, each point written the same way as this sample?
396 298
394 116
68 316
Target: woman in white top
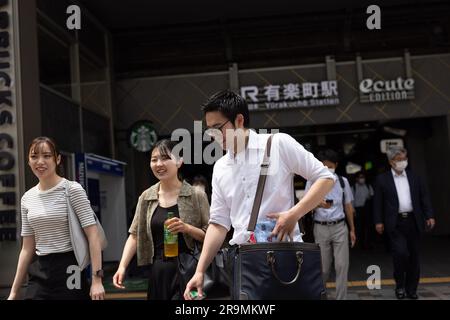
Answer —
45 232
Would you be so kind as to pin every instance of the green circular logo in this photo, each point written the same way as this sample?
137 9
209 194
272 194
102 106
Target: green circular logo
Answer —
143 136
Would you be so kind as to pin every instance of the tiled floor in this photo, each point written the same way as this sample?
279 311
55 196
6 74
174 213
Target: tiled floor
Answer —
435 275
437 291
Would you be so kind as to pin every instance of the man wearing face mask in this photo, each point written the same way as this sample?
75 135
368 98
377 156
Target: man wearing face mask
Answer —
402 208
330 228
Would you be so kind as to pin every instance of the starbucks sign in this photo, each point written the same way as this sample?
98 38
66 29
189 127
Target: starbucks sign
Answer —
143 136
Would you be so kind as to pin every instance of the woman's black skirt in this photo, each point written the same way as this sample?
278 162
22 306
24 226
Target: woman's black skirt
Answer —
163 282
57 277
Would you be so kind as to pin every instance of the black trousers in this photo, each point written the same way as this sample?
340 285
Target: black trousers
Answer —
163 282
404 242
364 226
52 277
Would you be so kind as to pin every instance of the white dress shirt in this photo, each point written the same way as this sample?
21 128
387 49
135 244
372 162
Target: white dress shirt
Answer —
403 191
336 211
235 178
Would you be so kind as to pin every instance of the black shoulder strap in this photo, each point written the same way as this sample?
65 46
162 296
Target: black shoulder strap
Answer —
342 183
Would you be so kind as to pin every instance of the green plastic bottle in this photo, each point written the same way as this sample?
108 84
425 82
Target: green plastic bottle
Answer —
170 240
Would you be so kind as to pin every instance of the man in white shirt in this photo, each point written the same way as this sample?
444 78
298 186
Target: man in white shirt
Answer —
236 174
402 208
330 228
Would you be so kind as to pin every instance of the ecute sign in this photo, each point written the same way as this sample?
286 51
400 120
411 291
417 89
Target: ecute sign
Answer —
390 90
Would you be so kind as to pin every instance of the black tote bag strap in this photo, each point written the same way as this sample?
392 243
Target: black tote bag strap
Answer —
260 187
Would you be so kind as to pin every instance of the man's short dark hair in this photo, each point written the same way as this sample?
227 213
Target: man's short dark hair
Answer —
229 104
328 155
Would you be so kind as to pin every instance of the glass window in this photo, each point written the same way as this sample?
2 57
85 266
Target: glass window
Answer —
54 62
96 134
92 37
61 121
94 87
55 10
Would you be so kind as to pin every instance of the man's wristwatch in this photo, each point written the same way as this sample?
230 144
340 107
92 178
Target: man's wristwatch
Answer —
98 273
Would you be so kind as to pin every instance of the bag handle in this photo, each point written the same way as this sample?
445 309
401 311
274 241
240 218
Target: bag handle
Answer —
67 186
260 187
67 194
271 261
196 205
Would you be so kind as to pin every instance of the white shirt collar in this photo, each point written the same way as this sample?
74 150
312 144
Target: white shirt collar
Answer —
253 143
394 174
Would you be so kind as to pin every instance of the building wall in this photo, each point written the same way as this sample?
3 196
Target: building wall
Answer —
172 102
431 91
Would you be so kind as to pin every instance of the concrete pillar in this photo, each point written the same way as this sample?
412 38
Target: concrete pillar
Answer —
29 69
27 112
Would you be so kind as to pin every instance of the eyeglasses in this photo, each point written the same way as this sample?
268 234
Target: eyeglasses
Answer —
216 131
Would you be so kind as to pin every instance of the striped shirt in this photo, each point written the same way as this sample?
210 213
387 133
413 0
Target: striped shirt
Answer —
45 216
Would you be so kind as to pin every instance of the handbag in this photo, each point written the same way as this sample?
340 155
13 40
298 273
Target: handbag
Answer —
275 270
187 264
78 238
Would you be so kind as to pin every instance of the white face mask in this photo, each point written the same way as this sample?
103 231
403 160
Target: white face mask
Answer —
332 170
401 165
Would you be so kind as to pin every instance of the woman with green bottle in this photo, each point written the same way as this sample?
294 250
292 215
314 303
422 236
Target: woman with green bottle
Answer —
170 217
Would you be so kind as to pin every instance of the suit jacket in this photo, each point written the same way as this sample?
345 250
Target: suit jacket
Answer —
385 201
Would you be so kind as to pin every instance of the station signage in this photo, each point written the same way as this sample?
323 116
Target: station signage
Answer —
384 91
389 143
291 95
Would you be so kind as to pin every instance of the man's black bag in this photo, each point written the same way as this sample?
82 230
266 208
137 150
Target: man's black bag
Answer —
275 270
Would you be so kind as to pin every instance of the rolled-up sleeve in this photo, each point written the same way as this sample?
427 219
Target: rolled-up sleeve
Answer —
307 186
204 209
219 212
134 224
300 161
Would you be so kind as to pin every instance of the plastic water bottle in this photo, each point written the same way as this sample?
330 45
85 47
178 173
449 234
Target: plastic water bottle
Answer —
170 240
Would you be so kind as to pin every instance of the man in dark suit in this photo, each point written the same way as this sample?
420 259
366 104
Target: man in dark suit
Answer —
402 208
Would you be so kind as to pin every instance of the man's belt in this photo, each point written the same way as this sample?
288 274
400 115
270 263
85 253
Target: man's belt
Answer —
329 223
404 214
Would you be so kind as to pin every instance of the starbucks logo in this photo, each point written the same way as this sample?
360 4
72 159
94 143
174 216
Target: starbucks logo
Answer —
143 136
